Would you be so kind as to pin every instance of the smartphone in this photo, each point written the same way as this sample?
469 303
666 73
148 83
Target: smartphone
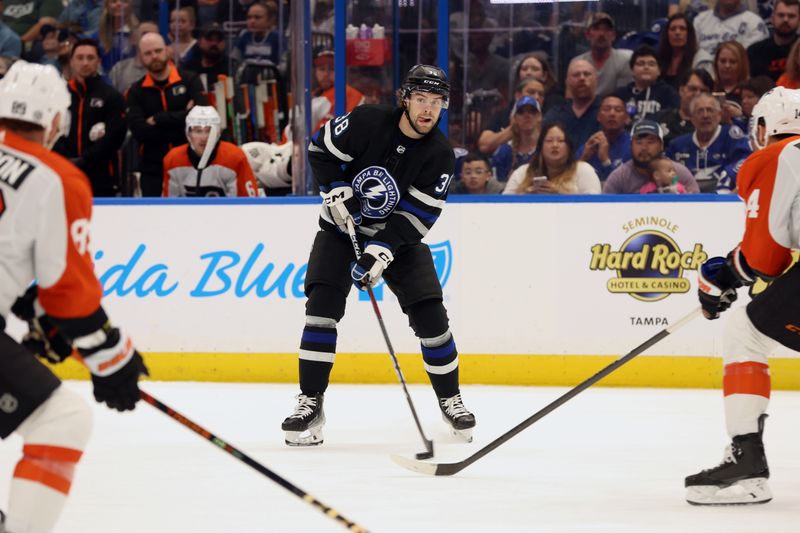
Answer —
720 96
539 179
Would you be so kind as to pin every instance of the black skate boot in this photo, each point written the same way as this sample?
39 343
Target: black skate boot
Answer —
304 426
741 478
457 417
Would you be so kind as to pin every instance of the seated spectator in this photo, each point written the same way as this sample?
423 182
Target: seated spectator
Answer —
768 57
751 91
678 53
476 177
728 21
610 147
731 67
499 130
260 42
26 17
207 166
324 92
526 122
117 21
675 122
126 72
647 93
579 112
51 46
10 43
554 169
791 78
181 33
208 57
83 14
663 178
715 151
647 144
534 65
612 65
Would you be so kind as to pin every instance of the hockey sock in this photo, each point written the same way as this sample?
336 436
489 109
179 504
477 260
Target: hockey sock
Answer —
440 358
747 388
317 353
55 435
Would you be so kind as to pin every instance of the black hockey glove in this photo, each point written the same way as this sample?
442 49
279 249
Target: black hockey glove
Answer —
115 366
717 284
367 271
43 338
342 204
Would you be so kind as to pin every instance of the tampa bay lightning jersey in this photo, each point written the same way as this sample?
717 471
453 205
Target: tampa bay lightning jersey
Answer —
401 182
714 167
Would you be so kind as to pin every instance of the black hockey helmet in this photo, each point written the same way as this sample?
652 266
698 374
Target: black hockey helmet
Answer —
428 79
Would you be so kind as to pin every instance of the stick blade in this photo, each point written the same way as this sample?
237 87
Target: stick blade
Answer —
429 469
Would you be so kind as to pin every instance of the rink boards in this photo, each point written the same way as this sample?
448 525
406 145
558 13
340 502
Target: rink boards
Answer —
539 290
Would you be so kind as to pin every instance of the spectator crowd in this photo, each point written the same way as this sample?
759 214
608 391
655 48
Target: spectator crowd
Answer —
660 111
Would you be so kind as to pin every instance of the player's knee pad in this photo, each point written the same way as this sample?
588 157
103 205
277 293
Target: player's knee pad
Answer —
428 319
742 342
325 301
55 436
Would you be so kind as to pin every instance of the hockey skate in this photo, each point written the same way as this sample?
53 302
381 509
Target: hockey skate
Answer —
460 420
740 479
304 426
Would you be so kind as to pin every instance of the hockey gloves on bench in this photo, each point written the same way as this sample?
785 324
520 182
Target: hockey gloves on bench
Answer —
115 366
342 204
43 338
368 270
718 279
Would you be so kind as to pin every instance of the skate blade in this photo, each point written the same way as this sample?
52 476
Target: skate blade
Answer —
462 434
312 437
744 492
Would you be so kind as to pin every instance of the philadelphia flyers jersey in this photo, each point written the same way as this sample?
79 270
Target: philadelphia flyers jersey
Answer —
227 173
401 182
45 214
769 184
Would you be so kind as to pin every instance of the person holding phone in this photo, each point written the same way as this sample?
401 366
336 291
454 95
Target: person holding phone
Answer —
554 168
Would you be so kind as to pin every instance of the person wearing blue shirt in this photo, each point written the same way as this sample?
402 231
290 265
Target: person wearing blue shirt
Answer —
714 152
260 43
10 43
579 113
526 124
610 147
82 13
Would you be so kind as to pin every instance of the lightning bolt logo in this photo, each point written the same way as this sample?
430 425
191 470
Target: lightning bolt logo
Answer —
375 191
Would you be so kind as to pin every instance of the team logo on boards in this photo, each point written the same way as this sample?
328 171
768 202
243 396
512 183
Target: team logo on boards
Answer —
377 190
649 263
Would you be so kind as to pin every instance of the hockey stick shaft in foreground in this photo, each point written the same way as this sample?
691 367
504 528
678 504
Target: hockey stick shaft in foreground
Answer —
448 469
351 230
249 461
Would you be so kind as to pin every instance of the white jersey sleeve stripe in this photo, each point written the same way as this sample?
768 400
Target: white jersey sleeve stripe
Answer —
418 225
425 198
332 147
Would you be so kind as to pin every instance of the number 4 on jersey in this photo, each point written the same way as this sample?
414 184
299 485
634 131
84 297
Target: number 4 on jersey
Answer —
752 203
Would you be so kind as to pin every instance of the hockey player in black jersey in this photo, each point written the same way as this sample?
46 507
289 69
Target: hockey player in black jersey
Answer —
387 169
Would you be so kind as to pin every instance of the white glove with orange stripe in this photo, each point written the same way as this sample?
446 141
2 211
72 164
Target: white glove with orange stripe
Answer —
115 366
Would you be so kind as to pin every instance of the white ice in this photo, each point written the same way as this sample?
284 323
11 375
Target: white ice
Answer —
609 460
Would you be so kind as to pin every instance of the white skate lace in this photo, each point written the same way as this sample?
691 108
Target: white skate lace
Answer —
454 406
305 406
729 457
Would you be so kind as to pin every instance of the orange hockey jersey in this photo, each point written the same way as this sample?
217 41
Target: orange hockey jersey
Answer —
228 173
769 184
45 214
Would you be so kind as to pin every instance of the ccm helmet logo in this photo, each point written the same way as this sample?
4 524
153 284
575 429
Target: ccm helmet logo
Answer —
19 108
430 82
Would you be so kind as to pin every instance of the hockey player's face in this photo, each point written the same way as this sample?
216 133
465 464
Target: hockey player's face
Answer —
324 73
198 137
424 110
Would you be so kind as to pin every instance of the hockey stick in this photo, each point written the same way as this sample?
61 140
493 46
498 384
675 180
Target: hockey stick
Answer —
246 459
448 469
428 453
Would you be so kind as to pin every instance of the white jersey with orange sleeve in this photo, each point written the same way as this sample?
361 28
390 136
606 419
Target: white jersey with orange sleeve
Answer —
45 213
228 173
769 184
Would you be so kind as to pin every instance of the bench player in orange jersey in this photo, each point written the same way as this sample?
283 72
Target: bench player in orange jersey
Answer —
207 166
45 213
769 184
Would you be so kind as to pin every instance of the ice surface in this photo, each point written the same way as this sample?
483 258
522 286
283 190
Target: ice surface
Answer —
609 460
